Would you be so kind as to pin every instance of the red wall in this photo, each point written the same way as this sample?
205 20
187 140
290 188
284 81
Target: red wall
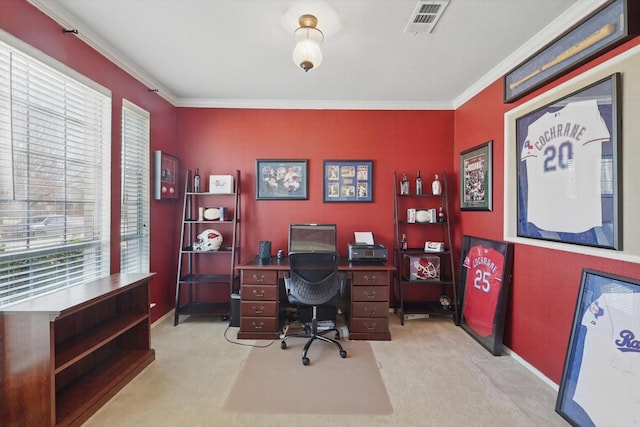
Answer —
218 141
25 22
545 282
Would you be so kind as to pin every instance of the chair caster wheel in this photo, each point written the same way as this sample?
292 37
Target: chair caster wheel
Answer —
283 345
305 361
343 354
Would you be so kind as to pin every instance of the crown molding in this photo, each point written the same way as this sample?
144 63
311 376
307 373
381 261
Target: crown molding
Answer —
67 20
289 104
579 10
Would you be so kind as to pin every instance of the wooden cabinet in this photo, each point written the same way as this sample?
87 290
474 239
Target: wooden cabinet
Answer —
259 304
206 278
425 280
65 354
369 317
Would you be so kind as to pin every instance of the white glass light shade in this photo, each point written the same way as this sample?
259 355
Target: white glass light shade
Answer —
307 53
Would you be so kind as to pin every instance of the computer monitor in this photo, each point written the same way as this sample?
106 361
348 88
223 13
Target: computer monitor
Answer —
312 238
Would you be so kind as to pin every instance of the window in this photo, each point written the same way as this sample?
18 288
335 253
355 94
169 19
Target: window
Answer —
55 171
134 221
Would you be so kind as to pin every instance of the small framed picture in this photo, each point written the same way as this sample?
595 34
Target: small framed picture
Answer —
165 176
281 179
348 181
475 178
411 215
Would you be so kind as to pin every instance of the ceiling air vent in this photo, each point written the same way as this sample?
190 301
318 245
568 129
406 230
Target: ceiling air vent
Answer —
426 15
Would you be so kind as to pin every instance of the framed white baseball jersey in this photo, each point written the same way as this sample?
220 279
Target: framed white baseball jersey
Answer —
562 152
610 368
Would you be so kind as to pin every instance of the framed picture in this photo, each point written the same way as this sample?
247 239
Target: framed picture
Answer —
485 277
606 28
166 169
601 364
568 170
476 178
348 181
281 179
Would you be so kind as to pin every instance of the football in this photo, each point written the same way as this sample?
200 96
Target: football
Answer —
423 216
211 214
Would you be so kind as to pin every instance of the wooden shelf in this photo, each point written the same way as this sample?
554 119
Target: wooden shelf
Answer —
426 307
68 352
209 278
221 308
92 390
72 350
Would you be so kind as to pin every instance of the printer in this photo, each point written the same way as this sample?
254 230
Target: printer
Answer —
364 253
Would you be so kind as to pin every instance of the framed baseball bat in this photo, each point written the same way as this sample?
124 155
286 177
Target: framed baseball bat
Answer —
607 27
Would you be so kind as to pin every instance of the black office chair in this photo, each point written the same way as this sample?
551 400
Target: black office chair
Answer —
314 281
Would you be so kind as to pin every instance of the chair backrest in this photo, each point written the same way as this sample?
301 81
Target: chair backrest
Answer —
313 278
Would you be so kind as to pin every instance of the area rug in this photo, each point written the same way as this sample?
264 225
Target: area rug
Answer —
273 380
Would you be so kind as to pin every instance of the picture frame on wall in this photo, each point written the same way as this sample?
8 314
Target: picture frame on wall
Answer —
602 354
476 178
348 181
282 179
568 168
485 279
166 170
607 27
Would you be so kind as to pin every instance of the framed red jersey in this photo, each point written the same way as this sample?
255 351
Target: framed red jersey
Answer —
485 275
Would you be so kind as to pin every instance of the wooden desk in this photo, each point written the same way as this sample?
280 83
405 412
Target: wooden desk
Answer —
367 296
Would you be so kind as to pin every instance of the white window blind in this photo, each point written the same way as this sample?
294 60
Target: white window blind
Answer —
55 137
134 221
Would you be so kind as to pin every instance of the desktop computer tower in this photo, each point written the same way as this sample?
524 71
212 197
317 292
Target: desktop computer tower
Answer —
235 311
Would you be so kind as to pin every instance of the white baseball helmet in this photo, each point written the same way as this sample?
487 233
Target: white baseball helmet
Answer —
208 240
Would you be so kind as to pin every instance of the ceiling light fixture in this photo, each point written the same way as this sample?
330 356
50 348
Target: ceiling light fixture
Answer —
307 53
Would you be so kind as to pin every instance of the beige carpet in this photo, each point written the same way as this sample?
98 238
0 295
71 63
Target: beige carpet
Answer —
273 380
436 375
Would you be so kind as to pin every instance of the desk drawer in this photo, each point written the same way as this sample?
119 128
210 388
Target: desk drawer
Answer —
258 324
369 293
260 276
259 292
370 278
369 325
370 309
258 308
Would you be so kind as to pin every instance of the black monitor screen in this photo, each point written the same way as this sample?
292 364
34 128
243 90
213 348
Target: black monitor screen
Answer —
312 238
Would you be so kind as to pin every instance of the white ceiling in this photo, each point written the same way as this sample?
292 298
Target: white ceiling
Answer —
237 53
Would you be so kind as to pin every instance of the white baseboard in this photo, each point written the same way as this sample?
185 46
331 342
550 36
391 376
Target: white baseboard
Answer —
531 368
157 322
